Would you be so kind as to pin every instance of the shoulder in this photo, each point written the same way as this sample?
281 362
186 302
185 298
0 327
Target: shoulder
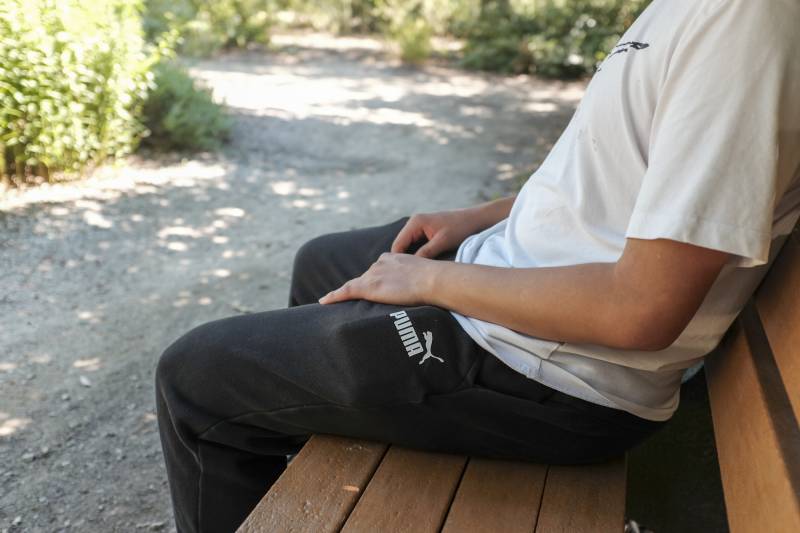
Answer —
769 17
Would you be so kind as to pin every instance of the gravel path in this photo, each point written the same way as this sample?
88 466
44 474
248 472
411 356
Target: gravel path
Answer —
97 277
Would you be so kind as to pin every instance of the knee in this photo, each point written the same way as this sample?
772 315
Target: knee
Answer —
190 363
313 252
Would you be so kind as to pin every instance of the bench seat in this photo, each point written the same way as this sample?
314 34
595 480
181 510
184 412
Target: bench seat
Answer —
341 484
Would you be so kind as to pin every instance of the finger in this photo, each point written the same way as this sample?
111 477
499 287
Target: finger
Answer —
432 248
411 232
343 293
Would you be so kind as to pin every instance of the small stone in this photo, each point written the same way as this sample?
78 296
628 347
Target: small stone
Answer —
65 397
17 521
86 382
28 456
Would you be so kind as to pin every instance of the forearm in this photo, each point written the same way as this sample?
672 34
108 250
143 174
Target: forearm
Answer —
580 303
490 213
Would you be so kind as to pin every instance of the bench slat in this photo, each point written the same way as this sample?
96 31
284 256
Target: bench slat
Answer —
756 477
319 488
778 303
497 496
584 499
410 491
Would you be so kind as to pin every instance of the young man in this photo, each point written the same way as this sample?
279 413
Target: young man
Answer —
562 329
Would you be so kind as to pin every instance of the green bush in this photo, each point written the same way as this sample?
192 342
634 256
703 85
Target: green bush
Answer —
181 116
413 36
337 16
73 79
562 38
207 26
405 23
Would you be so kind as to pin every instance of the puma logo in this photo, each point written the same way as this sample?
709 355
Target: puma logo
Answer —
428 336
410 340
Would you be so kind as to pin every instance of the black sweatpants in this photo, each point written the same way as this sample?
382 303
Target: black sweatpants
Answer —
235 396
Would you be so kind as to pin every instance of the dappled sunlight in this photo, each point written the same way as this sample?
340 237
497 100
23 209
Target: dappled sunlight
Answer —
91 364
42 359
175 246
91 317
236 212
179 231
10 425
283 188
108 184
506 171
541 107
96 219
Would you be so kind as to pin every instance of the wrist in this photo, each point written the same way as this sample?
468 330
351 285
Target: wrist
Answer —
435 274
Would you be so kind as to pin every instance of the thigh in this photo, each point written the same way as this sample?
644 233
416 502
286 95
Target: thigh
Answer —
354 355
326 262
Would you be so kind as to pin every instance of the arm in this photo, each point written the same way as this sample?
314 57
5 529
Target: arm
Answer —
642 302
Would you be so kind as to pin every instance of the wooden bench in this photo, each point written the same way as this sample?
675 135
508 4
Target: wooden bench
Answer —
754 388
339 484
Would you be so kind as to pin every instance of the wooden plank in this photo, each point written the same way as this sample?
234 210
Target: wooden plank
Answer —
497 496
759 495
319 488
411 491
778 303
584 499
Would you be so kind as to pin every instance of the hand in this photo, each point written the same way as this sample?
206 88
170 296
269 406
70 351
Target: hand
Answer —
400 279
444 230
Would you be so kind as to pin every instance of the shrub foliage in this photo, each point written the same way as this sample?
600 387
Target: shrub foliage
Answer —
73 78
207 26
556 38
181 116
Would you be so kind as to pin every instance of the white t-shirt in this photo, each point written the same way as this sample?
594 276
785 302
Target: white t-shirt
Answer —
690 131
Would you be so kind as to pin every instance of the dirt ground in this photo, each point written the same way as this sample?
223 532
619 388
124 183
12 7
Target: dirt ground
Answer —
98 277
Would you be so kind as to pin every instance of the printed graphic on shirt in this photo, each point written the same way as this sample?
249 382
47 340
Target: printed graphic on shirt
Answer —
410 340
623 48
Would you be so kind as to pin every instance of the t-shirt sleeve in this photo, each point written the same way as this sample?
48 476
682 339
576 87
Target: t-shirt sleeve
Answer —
712 178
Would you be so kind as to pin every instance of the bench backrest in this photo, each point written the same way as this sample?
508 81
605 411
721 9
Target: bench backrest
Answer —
754 388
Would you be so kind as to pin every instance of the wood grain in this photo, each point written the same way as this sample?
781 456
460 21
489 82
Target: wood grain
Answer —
411 491
584 499
497 496
758 490
778 303
319 488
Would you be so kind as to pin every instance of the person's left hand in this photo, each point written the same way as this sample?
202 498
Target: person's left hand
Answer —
400 279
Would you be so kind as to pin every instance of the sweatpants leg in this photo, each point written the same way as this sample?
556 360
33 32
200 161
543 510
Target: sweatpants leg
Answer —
236 395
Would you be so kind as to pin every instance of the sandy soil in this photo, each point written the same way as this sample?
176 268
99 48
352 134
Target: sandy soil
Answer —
97 277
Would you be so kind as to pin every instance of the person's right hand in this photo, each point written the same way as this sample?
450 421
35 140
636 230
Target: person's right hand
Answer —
444 230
